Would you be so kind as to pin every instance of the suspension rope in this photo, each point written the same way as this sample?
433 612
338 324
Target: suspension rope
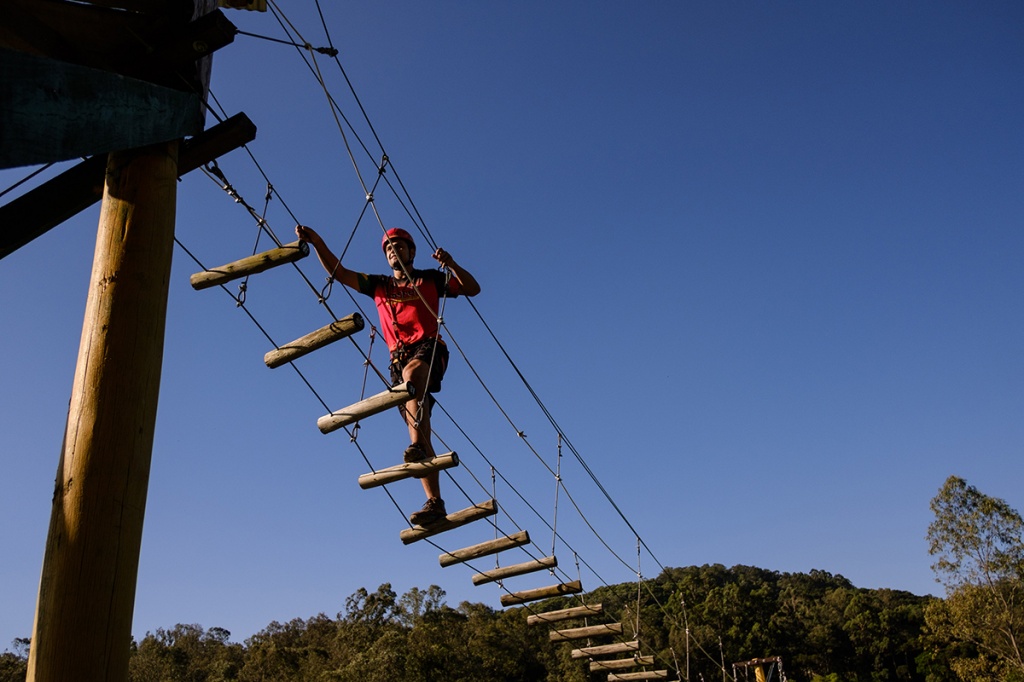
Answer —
329 51
558 485
639 587
25 179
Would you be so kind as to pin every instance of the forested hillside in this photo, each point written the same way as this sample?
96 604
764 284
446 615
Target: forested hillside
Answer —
822 626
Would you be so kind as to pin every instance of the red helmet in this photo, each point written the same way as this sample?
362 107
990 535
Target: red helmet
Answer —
397 233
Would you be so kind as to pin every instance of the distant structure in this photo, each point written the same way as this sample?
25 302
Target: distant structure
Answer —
758 665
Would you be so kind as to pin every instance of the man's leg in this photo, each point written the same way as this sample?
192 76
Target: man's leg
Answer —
416 372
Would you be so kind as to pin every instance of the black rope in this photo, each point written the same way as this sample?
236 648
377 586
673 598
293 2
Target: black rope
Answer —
329 51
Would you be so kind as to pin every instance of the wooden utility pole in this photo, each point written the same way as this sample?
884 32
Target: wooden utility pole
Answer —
85 77
82 629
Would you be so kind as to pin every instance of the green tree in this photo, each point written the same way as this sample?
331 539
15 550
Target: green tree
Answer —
14 666
186 653
979 544
416 603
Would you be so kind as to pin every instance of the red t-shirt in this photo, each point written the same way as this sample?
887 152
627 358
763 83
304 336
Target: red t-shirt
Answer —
405 318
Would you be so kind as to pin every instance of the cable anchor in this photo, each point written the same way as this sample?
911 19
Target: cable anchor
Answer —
215 170
325 293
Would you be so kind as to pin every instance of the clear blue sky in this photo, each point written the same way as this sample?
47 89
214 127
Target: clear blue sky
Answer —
761 261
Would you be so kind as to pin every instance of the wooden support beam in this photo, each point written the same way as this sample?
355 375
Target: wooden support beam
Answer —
459 518
335 331
514 570
621 663
485 548
649 675
174 58
251 265
574 587
83 621
396 395
565 614
606 649
602 630
80 82
216 141
41 209
408 470
760 661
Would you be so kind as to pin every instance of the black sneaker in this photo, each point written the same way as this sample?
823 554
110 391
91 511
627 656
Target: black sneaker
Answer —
432 512
414 453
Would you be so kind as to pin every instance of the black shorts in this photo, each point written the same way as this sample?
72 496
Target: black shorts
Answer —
430 351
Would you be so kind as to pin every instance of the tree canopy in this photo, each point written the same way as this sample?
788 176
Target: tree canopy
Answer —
696 621
979 545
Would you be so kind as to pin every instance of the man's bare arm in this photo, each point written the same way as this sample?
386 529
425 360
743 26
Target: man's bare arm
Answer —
470 287
330 262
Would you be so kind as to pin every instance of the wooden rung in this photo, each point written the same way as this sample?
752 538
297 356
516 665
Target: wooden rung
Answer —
583 633
408 470
396 395
515 569
339 329
289 253
565 614
459 518
485 548
606 649
649 675
575 587
621 663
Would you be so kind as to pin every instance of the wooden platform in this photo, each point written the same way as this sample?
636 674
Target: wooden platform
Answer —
408 470
649 675
606 649
392 397
602 630
574 587
514 570
460 518
485 548
622 663
335 331
288 253
565 614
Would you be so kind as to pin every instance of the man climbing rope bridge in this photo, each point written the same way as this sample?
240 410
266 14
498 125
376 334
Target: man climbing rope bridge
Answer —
407 302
